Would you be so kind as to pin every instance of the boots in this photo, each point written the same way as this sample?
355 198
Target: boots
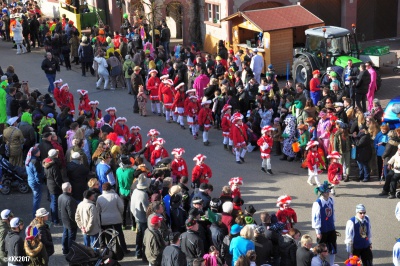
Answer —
346 179
263 169
230 148
225 147
269 171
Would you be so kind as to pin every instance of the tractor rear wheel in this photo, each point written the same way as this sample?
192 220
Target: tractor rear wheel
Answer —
302 70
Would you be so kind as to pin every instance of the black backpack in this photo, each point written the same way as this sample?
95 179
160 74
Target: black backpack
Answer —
130 70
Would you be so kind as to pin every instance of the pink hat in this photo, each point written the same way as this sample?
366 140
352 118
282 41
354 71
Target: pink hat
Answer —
237 116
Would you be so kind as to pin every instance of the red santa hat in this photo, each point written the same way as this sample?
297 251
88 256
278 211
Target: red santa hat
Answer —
120 119
311 144
199 158
111 109
164 77
236 181
82 92
206 102
153 71
180 86
334 155
285 199
178 152
153 132
169 82
189 91
57 81
237 116
159 141
135 127
64 85
226 108
94 102
266 128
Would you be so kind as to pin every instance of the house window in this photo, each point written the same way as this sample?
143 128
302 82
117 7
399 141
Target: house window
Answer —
213 13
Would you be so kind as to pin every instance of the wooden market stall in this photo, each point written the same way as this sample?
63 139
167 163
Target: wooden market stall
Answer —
275 32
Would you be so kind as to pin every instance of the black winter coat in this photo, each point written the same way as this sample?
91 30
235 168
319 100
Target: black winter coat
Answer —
47 109
277 240
67 206
288 251
52 169
173 255
78 177
14 244
192 246
205 197
178 218
85 52
217 234
44 148
363 81
263 250
304 256
53 64
363 147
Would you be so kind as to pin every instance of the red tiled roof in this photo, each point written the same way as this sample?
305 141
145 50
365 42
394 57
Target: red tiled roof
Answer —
280 17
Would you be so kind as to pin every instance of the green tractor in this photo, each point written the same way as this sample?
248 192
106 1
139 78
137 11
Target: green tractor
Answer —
325 46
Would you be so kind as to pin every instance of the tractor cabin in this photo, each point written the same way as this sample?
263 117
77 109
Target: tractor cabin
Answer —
275 32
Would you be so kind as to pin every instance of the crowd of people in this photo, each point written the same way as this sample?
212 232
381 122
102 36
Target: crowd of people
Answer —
100 174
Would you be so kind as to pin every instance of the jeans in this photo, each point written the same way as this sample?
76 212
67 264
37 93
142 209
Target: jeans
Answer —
141 227
37 195
315 97
126 200
51 78
129 84
166 48
89 240
363 169
393 183
54 208
67 237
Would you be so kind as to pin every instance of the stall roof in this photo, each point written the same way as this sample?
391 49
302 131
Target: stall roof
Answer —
278 18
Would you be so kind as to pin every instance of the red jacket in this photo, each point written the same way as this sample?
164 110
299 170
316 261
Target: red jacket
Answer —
179 100
122 131
57 96
226 123
167 96
149 150
84 103
335 173
205 116
158 154
239 135
265 152
179 168
152 86
287 216
314 85
201 173
192 109
136 141
67 99
314 158
96 114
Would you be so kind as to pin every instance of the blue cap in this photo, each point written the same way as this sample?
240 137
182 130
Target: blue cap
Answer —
270 66
235 229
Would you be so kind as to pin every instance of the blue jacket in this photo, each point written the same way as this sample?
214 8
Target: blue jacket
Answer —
34 176
380 138
239 246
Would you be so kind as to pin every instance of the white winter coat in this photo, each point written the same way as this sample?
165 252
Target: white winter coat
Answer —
18 38
102 68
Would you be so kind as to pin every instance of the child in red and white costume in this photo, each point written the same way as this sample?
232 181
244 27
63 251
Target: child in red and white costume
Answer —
235 184
96 112
266 142
153 134
112 112
160 87
167 92
226 125
285 214
205 120
314 162
201 172
135 138
57 92
178 165
239 137
179 103
335 170
83 101
67 99
192 109
121 129
152 86
159 152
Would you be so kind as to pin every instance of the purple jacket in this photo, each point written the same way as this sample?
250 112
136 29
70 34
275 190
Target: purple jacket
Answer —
200 83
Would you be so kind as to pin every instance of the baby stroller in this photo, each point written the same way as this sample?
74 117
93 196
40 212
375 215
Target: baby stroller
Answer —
12 177
81 255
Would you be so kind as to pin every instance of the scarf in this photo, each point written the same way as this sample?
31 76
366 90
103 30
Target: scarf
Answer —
31 154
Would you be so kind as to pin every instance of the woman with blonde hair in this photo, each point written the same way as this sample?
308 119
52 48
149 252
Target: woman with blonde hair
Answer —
34 247
94 186
241 244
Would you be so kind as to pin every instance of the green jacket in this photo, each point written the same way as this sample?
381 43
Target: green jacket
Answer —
125 179
304 138
3 106
4 228
128 63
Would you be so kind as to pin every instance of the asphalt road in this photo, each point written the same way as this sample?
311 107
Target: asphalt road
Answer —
259 189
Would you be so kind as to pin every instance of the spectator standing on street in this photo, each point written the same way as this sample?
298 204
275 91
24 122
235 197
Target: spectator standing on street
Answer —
13 136
34 247
87 218
40 222
6 217
172 254
257 64
191 243
50 66
14 243
125 177
323 221
363 152
86 56
139 204
78 175
153 242
35 176
372 85
358 236
165 38
52 169
67 205
321 255
136 81
303 254
362 87
241 244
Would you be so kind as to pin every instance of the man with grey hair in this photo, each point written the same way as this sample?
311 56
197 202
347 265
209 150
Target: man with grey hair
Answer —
78 175
67 206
